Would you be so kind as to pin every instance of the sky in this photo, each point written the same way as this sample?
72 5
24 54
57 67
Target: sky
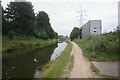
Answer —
65 14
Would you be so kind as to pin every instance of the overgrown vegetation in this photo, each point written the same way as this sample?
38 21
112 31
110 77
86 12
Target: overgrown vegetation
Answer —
23 30
20 47
105 47
56 69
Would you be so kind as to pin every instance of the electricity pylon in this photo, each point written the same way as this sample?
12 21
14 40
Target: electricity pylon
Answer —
81 17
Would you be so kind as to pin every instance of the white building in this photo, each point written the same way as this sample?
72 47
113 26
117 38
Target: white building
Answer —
91 28
119 14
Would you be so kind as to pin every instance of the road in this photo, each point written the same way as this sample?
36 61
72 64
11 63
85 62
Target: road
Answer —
81 66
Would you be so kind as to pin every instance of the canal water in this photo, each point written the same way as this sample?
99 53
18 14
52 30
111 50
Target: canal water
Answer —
30 64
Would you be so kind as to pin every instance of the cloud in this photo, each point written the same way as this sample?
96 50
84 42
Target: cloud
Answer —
63 13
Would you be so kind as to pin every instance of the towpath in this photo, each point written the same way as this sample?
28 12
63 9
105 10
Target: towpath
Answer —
81 66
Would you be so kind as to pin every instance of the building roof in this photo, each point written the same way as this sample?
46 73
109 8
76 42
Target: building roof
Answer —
90 21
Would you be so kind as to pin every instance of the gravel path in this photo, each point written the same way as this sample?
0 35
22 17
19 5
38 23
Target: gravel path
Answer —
81 66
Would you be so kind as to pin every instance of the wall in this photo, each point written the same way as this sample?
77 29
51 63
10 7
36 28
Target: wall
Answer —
86 30
89 27
95 25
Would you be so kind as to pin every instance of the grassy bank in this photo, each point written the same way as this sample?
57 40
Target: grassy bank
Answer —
105 49
57 68
21 46
94 69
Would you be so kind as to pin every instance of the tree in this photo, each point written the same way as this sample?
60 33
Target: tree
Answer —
21 16
51 33
43 26
42 21
5 24
76 32
19 19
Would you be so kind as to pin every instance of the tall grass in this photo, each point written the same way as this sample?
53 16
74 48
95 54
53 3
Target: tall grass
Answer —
105 43
12 47
106 47
9 44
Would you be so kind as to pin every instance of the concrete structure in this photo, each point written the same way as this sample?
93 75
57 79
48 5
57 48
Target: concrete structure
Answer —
91 28
119 14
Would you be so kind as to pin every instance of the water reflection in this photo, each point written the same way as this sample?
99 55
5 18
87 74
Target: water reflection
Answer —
58 50
30 64
25 66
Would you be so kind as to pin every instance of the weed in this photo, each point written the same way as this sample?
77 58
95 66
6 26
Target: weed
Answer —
106 47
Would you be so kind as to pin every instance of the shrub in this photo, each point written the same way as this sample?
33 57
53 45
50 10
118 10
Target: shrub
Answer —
100 42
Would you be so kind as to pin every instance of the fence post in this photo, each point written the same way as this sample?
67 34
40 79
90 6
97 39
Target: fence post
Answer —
93 48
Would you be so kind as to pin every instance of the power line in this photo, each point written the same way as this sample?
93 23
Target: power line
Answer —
72 6
81 17
81 14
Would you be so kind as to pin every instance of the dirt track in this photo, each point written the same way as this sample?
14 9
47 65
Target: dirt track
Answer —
81 66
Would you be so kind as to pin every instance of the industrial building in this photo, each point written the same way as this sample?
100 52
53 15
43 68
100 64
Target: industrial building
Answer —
91 28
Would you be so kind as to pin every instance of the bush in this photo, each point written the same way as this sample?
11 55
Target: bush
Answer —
42 35
106 47
100 42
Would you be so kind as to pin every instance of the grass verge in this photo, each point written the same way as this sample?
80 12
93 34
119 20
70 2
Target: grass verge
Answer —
95 70
57 68
85 45
108 77
17 47
68 68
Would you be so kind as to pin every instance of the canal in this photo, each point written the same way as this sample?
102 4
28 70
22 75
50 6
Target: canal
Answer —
29 65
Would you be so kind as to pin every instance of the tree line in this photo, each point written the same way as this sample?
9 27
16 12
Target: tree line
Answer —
19 18
76 33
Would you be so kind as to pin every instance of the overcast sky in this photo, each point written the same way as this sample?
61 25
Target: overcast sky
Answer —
64 14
